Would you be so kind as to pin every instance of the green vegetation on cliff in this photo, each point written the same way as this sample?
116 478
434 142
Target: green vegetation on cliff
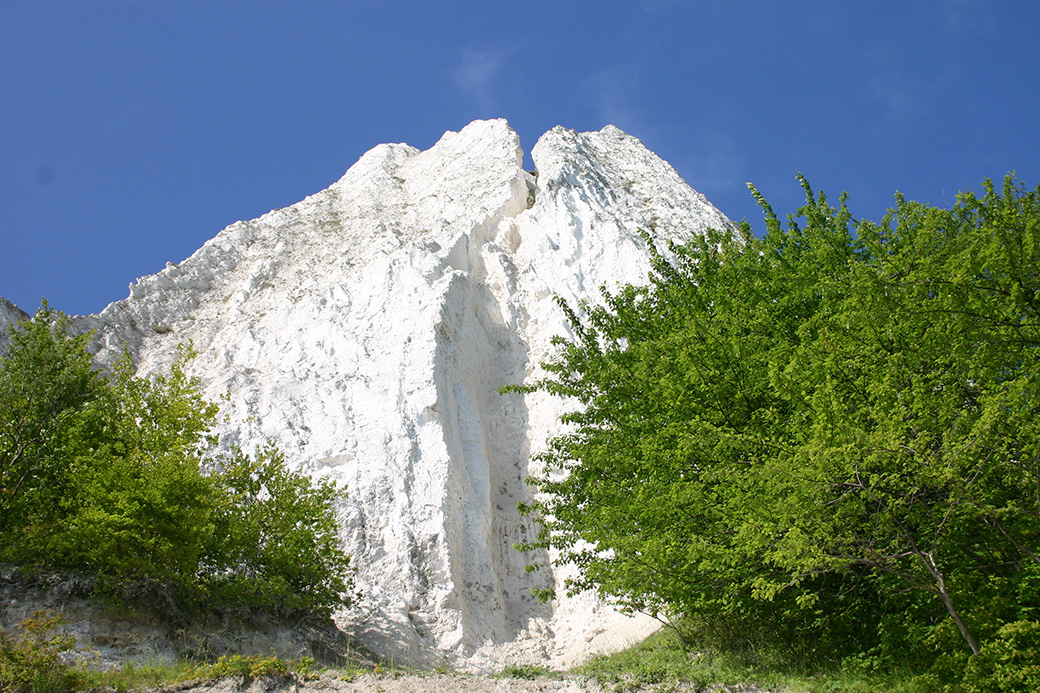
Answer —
824 441
115 477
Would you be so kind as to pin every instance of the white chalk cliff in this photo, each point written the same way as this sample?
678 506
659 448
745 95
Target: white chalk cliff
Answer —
366 330
10 314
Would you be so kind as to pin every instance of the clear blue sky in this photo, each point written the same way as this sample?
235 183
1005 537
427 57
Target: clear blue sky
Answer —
131 131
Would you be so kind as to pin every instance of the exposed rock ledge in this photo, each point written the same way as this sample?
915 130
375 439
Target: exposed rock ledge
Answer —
110 635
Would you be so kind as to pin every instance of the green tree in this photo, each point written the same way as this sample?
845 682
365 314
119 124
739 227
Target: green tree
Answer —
46 384
141 506
922 357
812 424
115 477
276 541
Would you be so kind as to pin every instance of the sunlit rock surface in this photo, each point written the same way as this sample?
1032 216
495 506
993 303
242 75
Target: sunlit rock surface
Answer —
10 314
367 329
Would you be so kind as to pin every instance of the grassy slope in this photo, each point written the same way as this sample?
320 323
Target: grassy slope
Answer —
661 660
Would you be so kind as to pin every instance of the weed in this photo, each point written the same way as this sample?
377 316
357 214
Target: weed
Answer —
34 659
662 662
525 671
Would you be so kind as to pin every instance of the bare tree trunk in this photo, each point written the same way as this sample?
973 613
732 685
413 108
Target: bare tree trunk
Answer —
944 594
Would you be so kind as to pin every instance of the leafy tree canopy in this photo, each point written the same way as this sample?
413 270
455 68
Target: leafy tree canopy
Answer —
115 476
837 422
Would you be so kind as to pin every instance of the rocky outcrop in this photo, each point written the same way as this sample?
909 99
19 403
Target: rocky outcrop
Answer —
367 330
10 314
108 635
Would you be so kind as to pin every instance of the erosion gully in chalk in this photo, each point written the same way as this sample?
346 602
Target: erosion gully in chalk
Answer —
366 331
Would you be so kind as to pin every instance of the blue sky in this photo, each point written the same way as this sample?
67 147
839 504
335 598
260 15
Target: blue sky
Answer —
131 131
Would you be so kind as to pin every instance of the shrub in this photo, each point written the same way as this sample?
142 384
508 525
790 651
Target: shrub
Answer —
250 666
33 661
1009 662
527 672
267 518
110 476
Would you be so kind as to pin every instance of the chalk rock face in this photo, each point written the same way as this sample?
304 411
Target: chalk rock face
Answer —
366 331
10 314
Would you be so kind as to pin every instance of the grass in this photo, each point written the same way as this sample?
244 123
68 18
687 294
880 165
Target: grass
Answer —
134 677
39 657
525 671
661 661
131 676
33 660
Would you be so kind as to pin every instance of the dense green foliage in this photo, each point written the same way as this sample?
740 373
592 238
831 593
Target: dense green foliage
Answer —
31 659
35 410
115 477
275 542
836 423
665 662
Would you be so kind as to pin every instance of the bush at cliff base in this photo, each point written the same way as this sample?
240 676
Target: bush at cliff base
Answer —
32 659
1008 663
115 476
835 423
